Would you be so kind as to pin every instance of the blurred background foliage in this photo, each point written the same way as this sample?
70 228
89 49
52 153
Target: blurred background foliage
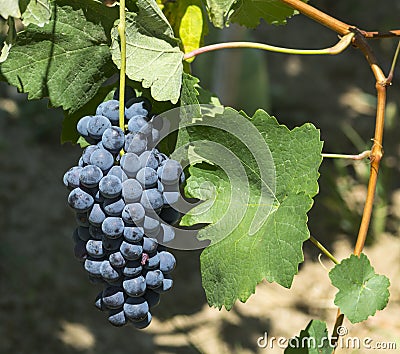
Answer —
44 294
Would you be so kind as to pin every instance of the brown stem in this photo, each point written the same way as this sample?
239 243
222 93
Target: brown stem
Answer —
319 16
379 34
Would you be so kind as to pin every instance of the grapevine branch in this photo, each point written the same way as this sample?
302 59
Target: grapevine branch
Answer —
339 47
361 156
382 82
323 250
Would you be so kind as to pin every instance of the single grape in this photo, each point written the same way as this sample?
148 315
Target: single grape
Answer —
133 213
113 297
170 172
139 124
151 226
149 245
152 199
139 106
102 159
113 139
167 233
133 234
71 177
114 207
110 110
88 152
82 126
132 269
131 251
148 159
131 191
147 177
171 198
167 262
135 143
130 164
95 249
108 273
154 278
117 260
96 232
117 317
96 215
153 261
79 200
97 125
118 172
154 138
113 227
92 266
136 308
90 176
135 286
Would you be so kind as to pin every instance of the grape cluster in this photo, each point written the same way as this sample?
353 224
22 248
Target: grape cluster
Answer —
123 191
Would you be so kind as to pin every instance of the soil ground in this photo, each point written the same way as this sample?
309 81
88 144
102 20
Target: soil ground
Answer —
46 299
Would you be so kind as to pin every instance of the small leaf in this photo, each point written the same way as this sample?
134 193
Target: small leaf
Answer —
314 339
67 59
361 291
256 203
37 12
9 8
153 54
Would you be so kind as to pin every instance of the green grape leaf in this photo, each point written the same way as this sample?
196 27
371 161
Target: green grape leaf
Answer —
361 291
37 12
187 20
314 339
153 54
67 59
248 12
9 8
256 204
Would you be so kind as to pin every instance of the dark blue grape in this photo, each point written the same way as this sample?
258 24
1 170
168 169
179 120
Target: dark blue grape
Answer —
90 176
135 143
133 234
102 159
83 233
153 261
113 297
133 214
82 126
96 232
117 260
79 200
111 244
88 152
114 207
132 269
71 177
152 199
113 227
151 226
131 251
97 125
139 124
117 317
96 215
95 249
80 250
152 298
82 219
148 159
135 286
149 245
137 107
154 278
170 172
166 285
143 323
130 164
110 186
108 273
131 191
92 266
118 172
110 110
136 308
147 177
171 198
167 262
113 139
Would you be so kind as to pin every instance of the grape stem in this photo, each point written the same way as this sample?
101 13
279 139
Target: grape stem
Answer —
122 36
361 156
323 250
339 47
